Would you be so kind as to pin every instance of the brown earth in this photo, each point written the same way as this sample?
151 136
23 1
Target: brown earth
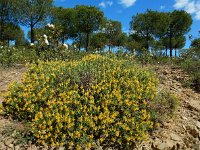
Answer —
8 75
183 130
179 132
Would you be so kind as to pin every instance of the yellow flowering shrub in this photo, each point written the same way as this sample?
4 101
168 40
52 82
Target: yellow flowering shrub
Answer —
79 103
1 108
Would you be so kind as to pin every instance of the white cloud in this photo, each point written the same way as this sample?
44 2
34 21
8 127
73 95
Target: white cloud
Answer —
106 4
162 7
197 16
110 3
127 3
180 3
191 6
102 4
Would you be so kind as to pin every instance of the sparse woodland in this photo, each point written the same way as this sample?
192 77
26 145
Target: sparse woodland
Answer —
106 89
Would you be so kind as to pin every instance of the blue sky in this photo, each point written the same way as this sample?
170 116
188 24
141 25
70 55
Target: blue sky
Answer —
123 10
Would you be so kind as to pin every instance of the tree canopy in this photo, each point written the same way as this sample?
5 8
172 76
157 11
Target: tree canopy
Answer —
32 12
89 19
180 22
168 27
90 29
7 15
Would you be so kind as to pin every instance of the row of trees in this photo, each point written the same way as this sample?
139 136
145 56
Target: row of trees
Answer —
82 24
90 29
160 30
87 27
9 30
30 13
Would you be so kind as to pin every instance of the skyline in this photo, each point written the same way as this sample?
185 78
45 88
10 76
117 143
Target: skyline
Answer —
123 10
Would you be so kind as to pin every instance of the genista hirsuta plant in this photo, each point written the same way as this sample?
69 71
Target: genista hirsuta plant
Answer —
79 103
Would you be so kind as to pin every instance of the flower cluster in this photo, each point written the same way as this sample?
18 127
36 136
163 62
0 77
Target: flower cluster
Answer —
31 44
50 25
80 103
66 46
46 39
54 34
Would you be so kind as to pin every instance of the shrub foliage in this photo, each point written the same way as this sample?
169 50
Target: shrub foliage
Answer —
80 103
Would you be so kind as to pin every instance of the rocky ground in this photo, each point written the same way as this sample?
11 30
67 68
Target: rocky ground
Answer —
183 130
179 132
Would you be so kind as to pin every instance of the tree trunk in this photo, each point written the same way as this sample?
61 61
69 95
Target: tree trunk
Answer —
147 45
79 47
166 50
32 34
63 39
109 47
87 41
147 42
170 41
2 32
175 52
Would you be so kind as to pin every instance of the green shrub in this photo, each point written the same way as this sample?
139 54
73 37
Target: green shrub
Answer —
10 56
193 82
6 56
61 54
192 67
80 103
164 106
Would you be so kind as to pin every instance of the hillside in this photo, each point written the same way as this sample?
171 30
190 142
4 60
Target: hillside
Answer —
182 131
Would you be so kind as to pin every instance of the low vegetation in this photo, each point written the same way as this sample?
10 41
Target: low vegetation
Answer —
190 63
80 103
96 91
164 106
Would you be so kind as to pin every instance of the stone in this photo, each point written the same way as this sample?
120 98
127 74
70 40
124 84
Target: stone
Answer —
29 148
198 124
193 131
2 146
11 146
99 148
17 147
175 137
165 72
9 141
53 148
184 118
32 147
194 104
46 146
165 145
184 127
61 148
